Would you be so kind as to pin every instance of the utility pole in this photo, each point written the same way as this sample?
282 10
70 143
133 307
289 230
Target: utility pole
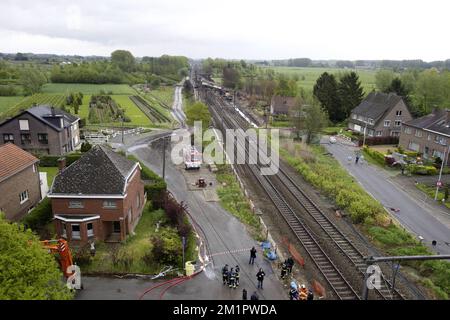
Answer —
364 139
121 120
440 173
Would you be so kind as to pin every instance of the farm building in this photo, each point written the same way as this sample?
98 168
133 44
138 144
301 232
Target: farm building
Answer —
42 130
98 197
380 114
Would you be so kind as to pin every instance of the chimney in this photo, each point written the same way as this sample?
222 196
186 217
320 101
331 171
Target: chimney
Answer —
61 163
53 111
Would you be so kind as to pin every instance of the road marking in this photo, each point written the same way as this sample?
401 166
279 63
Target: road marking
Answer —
230 252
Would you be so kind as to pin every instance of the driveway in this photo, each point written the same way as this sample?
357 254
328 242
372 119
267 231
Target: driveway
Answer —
417 216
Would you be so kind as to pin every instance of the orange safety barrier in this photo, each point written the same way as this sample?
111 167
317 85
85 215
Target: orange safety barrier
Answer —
295 254
318 289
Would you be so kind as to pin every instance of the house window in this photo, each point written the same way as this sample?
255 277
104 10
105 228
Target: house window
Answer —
437 154
75 126
398 113
408 130
23 196
418 133
76 231
25 138
74 204
426 151
8 137
64 230
397 123
370 121
354 116
387 123
413 146
429 137
109 204
23 125
379 133
440 140
90 229
116 226
43 138
370 133
395 134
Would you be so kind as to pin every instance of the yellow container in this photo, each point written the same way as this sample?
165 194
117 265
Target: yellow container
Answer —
189 268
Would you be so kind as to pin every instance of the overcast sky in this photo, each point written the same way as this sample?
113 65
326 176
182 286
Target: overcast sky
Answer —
318 29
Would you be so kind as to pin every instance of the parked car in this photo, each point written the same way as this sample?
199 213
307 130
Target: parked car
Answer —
333 139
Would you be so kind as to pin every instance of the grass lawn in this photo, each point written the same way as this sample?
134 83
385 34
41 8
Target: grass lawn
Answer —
51 173
134 249
6 103
234 201
308 76
164 94
431 191
86 88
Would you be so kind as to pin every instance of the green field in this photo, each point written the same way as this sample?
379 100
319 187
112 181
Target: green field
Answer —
51 173
55 94
87 88
7 103
27 102
308 76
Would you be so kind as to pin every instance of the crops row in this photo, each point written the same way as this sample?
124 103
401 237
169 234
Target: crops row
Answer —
56 100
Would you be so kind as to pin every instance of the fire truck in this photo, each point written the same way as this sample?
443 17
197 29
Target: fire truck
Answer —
192 158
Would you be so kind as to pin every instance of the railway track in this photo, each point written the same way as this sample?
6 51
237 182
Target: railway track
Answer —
324 263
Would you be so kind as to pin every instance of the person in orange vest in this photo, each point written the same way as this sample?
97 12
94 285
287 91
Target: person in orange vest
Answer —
303 292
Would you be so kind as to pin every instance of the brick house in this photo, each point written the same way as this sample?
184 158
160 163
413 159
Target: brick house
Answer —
429 135
280 105
382 115
98 197
42 130
20 188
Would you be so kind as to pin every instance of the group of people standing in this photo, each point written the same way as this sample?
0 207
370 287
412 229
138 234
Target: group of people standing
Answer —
286 267
230 276
301 293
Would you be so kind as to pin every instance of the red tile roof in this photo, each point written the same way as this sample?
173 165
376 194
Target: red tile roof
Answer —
13 159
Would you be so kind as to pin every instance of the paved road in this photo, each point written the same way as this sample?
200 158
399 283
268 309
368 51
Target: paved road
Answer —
415 215
177 108
224 233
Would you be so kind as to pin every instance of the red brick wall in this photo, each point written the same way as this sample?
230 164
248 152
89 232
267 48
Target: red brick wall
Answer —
95 207
11 188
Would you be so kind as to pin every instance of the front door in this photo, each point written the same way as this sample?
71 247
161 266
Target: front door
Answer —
116 226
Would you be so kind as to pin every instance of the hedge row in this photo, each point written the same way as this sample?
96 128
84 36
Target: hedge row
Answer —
326 174
375 155
422 170
373 141
155 186
52 161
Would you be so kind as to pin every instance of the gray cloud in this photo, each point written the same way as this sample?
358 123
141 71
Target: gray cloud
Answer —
251 29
